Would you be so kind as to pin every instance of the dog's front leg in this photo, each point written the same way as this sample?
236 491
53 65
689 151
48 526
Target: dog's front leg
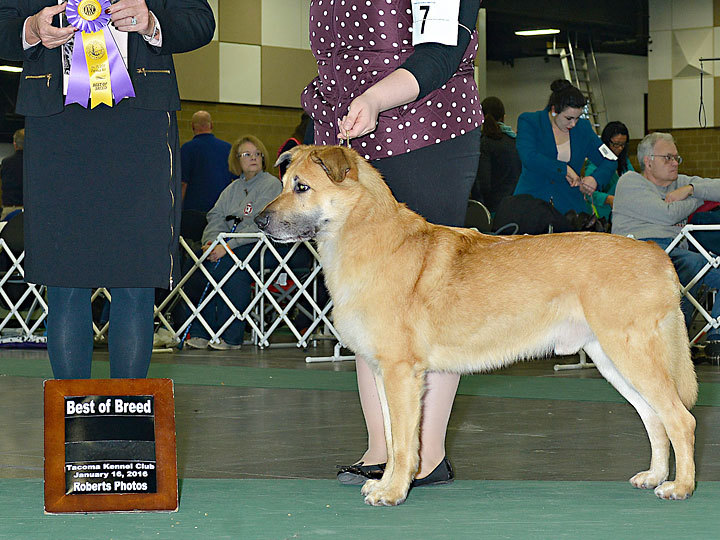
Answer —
400 387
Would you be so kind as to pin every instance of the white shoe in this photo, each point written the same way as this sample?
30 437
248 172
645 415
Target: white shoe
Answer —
197 343
164 338
223 345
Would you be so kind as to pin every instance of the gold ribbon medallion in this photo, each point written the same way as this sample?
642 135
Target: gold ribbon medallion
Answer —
89 9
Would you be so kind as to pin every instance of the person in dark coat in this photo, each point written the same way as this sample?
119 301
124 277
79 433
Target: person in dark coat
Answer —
102 189
500 166
11 175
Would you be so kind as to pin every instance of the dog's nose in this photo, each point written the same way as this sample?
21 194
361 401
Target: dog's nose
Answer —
262 220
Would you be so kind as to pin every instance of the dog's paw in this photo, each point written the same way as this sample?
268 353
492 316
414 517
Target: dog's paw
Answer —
369 486
386 497
673 491
648 479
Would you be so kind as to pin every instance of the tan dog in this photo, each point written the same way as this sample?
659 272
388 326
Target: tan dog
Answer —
415 297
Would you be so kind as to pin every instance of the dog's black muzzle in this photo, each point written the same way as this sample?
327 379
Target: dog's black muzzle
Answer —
262 220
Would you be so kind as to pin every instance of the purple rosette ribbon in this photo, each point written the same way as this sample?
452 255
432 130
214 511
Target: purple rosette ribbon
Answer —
89 17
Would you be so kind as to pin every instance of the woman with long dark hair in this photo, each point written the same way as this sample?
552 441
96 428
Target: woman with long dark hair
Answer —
615 136
553 144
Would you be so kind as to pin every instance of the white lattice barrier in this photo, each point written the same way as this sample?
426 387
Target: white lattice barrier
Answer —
270 303
24 302
713 261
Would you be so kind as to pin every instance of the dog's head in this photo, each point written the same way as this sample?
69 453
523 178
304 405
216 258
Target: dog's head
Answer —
320 187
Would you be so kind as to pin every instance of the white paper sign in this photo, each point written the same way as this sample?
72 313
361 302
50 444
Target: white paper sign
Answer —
607 153
435 21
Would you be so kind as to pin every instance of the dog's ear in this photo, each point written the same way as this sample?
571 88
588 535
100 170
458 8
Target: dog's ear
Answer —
338 163
286 157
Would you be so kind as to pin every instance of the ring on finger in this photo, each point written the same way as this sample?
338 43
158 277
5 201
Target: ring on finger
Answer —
133 21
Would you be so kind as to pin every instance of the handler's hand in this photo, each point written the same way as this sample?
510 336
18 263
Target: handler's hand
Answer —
680 194
572 177
588 185
122 13
39 28
217 253
361 118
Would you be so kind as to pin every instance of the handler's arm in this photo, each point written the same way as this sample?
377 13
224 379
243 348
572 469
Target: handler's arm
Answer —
429 67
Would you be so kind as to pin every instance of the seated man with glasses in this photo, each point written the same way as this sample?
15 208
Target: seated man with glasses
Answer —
655 205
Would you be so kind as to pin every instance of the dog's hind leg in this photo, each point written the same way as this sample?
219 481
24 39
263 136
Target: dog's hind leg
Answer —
400 390
654 396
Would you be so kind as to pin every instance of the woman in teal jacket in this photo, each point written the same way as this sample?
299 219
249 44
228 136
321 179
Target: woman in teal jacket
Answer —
615 136
553 144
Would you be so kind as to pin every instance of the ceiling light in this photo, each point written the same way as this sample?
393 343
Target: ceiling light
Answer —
539 32
11 69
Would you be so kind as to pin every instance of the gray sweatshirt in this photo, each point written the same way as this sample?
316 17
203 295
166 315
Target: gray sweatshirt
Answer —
640 209
245 199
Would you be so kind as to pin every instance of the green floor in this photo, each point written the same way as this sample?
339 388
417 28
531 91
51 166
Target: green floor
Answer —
315 509
278 508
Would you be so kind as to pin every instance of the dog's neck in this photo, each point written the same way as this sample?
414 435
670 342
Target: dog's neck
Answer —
368 231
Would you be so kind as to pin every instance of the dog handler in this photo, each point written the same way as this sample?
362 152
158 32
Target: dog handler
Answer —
102 205
409 103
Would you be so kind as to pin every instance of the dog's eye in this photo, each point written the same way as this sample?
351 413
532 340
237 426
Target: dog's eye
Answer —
300 187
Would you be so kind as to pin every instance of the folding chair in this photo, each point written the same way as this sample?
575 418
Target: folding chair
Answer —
20 302
713 261
478 217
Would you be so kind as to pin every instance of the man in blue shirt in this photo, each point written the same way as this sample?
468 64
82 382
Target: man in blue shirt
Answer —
204 165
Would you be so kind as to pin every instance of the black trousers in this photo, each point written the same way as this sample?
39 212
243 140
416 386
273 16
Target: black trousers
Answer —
435 181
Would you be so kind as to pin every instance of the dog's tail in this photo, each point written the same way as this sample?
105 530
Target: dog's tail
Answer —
681 367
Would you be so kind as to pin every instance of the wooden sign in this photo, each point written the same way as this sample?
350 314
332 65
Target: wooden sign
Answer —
110 446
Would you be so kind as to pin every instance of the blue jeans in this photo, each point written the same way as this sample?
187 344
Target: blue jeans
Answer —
237 289
687 264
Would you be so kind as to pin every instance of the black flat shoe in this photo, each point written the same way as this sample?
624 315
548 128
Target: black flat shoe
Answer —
358 474
442 474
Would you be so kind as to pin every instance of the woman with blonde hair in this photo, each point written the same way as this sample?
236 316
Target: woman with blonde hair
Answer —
240 167
247 195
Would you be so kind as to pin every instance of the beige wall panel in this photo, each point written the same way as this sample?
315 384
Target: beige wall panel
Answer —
240 21
660 107
214 7
660 14
305 23
283 24
686 102
198 73
660 55
239 73
688 46
285 73
716 96
692 14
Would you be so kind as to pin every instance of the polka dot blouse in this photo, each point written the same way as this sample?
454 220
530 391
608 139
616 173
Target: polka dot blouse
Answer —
357 43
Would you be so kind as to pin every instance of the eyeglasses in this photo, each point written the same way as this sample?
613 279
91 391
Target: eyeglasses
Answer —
668 158
251 154
618 144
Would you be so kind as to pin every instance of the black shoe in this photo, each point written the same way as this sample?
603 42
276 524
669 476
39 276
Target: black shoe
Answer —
712 351
358 474
442 474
